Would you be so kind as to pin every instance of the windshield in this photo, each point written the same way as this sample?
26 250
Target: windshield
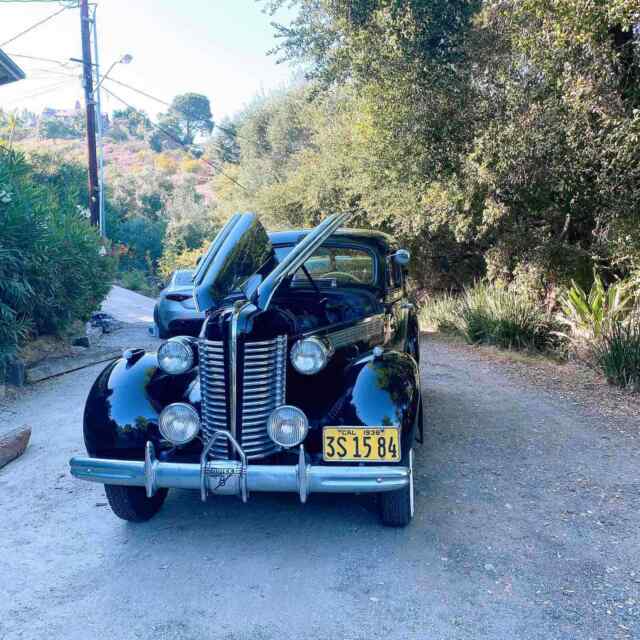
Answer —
343 265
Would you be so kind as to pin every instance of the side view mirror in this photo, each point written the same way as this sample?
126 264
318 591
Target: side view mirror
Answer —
401 257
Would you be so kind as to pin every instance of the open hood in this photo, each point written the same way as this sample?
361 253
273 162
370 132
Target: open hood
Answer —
241 259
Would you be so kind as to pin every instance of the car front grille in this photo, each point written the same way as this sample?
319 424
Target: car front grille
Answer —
213 392
260 389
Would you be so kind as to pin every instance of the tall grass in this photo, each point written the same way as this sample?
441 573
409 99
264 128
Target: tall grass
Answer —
618 355
491 315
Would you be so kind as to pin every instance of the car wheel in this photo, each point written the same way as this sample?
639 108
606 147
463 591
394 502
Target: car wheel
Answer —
397 507
132 504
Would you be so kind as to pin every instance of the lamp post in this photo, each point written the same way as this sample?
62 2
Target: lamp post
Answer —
125 59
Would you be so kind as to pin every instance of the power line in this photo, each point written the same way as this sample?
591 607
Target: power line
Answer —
33 26
63 63
175 138
41 92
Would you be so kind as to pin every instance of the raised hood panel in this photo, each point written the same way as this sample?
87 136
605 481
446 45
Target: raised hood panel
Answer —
242 249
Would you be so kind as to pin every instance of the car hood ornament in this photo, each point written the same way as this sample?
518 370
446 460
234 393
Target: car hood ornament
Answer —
241 259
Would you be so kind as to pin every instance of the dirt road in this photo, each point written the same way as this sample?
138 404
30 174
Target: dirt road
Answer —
527 526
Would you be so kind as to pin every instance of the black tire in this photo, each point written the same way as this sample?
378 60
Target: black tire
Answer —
132 504
397 507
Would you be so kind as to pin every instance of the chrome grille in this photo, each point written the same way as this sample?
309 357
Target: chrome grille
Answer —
213 393
261 389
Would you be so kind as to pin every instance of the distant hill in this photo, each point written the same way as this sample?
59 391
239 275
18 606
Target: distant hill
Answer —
129 157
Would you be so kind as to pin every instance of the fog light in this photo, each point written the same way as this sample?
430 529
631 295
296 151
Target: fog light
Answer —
287 426
179 423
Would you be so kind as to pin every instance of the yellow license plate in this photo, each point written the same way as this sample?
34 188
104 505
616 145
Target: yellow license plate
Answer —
361 444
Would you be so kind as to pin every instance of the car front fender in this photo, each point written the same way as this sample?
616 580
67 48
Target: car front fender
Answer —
122 409
381 391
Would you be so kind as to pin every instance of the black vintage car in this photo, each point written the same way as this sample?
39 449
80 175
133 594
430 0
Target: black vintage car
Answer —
304 379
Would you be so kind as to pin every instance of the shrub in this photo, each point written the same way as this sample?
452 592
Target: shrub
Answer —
166 164
493 315
51 271
191 165
135 279
172 260
589 316
618 355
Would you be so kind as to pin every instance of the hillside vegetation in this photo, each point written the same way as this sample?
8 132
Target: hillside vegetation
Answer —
498 140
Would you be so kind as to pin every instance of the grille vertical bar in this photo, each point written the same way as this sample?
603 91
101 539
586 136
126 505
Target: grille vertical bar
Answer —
213 393
261 389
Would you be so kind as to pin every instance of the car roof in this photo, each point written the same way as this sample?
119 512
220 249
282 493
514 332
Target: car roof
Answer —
383 242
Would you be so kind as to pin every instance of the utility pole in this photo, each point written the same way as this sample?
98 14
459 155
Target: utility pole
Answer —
94 194
99 127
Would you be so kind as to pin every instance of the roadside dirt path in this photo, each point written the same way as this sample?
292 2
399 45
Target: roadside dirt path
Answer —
528 520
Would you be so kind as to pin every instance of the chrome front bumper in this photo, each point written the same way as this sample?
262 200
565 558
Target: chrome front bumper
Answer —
236 477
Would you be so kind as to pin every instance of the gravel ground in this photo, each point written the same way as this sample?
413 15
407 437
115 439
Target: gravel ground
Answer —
527 527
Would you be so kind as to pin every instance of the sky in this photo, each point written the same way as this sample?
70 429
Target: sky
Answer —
215 47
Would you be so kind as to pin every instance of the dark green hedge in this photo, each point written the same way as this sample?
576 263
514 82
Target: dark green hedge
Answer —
51 271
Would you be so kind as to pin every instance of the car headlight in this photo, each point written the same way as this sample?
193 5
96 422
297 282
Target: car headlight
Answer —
310 355
176 356
179 423
287 426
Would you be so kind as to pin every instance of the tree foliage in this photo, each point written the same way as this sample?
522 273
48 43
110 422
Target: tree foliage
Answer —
51 270
498 138
189 116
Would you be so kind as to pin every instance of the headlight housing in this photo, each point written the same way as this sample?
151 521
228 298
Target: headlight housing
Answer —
176 356
179 423
287 426
310 355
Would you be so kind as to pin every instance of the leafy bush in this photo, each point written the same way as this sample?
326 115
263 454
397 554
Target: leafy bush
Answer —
136 280
51 271
588 316
172 260
618 355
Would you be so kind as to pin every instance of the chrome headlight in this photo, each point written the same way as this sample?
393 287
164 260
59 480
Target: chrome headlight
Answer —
287 426
176 356
310 355
179 423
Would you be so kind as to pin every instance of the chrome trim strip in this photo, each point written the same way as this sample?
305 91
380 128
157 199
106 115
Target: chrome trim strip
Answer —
368 329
